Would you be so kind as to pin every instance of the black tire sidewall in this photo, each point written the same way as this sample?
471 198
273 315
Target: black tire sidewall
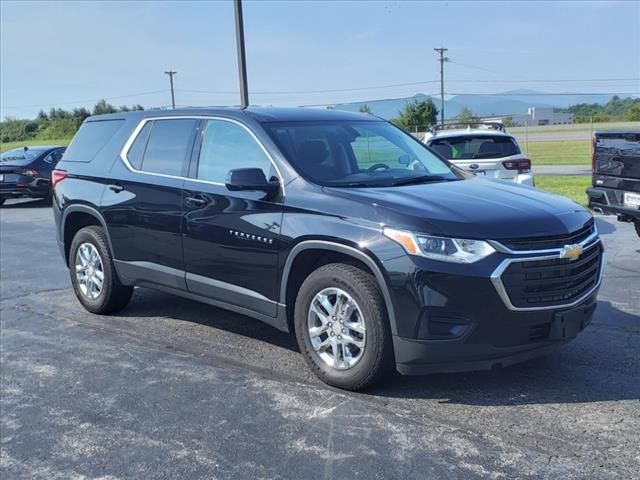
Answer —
89 235
375 324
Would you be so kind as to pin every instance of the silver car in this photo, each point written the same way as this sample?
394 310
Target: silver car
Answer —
486 149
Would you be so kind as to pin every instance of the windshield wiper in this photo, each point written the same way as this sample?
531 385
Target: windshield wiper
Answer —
420 179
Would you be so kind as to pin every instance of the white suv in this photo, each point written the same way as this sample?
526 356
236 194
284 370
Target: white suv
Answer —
486 149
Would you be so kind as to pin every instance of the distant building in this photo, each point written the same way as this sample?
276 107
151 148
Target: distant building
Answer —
535 116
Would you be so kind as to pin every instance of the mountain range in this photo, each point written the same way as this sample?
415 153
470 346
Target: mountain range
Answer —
505 103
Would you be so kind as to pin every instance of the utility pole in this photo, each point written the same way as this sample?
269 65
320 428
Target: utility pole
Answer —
442 59
173 98
242 62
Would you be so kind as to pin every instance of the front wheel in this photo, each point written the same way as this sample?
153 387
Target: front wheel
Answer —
93 275
342 328
2 200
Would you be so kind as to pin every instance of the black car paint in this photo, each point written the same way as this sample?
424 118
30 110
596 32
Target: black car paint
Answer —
238 250
615 171
36 186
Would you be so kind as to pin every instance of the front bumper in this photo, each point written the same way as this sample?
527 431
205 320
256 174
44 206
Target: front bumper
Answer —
452 317
420 357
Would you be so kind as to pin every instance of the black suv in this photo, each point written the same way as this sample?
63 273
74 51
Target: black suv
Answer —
337 226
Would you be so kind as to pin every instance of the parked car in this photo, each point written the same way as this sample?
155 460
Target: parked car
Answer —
616 175
486 149
336 226
26 171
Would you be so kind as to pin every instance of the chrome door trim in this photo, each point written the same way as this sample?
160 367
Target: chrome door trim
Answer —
141 124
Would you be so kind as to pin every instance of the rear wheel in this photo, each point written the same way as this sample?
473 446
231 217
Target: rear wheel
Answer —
636 222
93 274
342 328
2 199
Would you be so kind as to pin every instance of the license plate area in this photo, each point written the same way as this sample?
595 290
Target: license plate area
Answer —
569 323
631 200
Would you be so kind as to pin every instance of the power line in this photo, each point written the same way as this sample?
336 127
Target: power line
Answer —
306 92
85 101
541 94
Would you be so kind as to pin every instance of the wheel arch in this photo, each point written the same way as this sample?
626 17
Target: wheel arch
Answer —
324 246
76 217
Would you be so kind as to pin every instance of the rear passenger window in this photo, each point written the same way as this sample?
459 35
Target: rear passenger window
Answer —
168 146
90 139
227 146
136 152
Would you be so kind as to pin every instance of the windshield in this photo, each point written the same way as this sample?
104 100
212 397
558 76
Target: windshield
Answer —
481 146
357 154
20 155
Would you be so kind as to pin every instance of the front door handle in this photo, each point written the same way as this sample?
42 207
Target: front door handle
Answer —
195 201
116 188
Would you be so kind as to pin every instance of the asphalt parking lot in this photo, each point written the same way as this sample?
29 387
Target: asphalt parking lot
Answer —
170 388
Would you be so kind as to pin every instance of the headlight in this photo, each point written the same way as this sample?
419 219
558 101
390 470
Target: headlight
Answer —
456 250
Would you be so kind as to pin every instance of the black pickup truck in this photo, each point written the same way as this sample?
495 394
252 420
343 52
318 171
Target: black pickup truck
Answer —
616 175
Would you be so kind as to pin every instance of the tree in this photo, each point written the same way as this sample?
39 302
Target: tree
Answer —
103 107
508 122
633 113
417 115
467 116
365 109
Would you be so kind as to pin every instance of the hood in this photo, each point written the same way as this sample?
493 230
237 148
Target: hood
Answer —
475 208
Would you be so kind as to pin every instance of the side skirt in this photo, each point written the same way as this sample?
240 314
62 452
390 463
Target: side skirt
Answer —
174 281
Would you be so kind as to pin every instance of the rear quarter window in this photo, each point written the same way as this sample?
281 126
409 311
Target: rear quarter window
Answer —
91 139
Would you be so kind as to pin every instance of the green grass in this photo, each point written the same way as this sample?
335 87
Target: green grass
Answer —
572 187
30 143
569 152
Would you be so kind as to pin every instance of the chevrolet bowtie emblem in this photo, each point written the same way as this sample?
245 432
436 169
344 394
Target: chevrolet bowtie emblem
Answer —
572 252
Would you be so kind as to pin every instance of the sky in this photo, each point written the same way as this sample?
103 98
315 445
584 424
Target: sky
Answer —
70 54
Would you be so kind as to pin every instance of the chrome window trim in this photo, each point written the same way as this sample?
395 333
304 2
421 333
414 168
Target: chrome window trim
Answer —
144 121
496 279
504 249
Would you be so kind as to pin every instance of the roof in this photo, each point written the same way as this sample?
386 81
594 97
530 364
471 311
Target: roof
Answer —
476 132
616 132
37 147
261 114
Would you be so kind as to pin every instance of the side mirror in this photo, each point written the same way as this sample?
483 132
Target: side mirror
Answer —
404 159
244 179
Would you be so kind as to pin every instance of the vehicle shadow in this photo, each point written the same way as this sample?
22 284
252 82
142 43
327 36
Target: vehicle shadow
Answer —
153 303
24 203
600 365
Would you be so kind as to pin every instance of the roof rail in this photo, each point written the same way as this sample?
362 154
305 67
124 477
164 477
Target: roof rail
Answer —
453 125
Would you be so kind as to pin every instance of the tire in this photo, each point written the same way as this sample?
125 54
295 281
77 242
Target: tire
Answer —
112 296
2 200
48 200
375 359
637 224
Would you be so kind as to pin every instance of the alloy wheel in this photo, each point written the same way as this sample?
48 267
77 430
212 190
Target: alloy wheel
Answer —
336 328
89 271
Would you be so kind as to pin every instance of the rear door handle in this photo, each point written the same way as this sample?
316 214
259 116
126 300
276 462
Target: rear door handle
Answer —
116 188
196 201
